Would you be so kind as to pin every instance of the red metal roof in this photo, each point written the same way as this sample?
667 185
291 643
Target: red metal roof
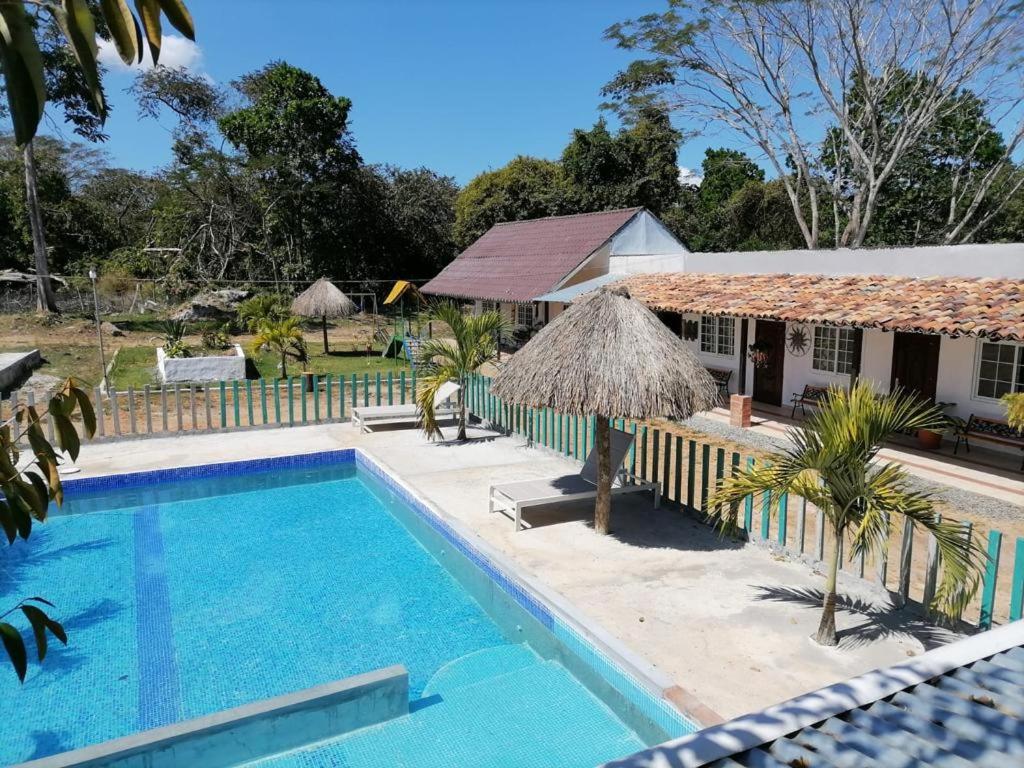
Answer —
518 260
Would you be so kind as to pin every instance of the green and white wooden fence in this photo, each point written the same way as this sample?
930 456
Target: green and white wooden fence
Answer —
689 470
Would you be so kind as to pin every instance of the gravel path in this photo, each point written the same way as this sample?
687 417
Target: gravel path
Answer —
975 503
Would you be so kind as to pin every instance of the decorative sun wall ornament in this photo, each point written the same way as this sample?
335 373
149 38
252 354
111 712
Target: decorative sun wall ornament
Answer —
798 341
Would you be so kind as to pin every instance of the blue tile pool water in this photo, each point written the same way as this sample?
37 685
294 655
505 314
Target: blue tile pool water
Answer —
185 597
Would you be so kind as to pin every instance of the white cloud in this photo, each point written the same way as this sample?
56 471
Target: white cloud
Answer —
689 177
176 52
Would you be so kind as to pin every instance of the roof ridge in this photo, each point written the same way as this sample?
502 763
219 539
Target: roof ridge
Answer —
568 216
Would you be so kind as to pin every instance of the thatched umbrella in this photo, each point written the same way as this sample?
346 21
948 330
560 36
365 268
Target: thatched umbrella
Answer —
322 299
607 355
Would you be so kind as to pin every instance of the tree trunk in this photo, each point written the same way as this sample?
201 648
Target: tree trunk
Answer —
462 413
45 300
827 628
603 504
324 320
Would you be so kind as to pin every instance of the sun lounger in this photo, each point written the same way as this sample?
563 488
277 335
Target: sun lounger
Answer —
515 497
365 416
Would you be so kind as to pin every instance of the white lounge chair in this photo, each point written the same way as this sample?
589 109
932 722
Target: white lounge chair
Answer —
515 497
365 416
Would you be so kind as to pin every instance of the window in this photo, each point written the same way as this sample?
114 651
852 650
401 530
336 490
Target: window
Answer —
488 306
833 349
524 315
1000 369
718 335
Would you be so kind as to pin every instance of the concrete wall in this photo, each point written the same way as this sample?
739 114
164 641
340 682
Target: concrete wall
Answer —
15 366
253 731
220 368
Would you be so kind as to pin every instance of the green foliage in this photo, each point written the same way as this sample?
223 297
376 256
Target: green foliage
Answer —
1015 410
833 464
284 338
28 488
174 345
526 188
473 342
24 66
261 309
217 337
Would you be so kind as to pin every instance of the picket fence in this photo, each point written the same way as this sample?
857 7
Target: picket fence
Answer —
687 468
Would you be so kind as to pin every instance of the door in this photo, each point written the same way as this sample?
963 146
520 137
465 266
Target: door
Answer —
915 363
769 338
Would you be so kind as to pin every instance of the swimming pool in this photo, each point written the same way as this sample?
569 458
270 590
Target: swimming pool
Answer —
186 592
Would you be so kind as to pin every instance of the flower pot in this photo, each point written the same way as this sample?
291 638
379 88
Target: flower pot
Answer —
928 439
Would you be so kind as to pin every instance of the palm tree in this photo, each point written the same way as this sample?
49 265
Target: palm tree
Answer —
473 342
833 464
283 337
1015 410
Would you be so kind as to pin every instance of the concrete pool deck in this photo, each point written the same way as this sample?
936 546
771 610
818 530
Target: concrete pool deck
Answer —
729 623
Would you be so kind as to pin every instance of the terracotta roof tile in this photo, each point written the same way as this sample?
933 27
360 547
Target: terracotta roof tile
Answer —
955 306
518 260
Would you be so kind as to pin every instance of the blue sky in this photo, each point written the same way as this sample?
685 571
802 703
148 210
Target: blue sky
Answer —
457 86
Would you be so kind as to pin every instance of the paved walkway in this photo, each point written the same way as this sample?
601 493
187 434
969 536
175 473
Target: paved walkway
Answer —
730 624
991 473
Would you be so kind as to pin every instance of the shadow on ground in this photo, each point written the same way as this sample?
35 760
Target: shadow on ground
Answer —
876 621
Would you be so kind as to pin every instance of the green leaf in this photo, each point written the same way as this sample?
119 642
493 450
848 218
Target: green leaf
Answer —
123 29
38 621
149 13
57 630
23 71
179 17
79 27
67 437
38 599
7 522
15 648
88 413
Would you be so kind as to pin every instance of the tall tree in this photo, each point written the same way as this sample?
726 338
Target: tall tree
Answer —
779 74
636 166
525 188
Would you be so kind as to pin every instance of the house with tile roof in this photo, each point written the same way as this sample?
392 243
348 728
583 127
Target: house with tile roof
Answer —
944 321
957 705
514 262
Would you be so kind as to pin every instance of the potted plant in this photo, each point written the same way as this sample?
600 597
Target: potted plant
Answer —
931 439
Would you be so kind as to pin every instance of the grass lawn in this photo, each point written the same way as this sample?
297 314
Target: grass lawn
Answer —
134 367
337 363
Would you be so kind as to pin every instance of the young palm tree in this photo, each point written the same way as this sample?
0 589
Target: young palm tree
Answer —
283 337
1015 409
473 342
833 465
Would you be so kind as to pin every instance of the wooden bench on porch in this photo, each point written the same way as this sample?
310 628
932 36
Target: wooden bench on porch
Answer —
812 395
721 377
993 430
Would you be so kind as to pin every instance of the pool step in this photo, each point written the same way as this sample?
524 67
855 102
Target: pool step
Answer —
480 665
497 721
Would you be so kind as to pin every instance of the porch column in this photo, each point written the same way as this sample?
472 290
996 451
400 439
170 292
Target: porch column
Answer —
858 348
741 385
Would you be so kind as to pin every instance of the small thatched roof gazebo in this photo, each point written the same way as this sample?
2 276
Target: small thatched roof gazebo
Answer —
607 355
322 299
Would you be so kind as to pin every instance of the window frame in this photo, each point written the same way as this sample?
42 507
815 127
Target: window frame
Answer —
1016 384
836 350
717 321
524 308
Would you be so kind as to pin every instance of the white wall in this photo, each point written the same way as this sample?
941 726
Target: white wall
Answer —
957 360
219 368
722 362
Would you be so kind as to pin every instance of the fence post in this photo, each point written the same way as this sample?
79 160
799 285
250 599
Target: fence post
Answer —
705 471
766 514
391 388
931 573
691 473
100 414
223 405
678 489
192 405
748 504
115 411
906 554
163 408
801 525
248 402
366 390
719 468
277 401
207 407
1017 588
177 405
988 592
655 454
303 398
401 385
330 405
291 402
783 518
316 399
131 410
341 396
354 389
666 467
149 413
377 377
263 400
